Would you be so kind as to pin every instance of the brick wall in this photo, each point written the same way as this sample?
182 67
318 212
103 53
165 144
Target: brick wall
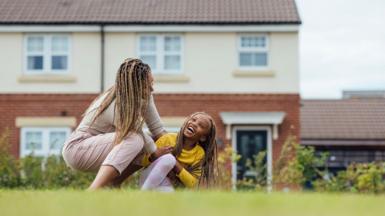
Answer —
35 105
213 104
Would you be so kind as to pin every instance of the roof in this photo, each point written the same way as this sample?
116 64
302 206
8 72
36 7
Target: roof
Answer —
364 94
148 12
349 119
274 118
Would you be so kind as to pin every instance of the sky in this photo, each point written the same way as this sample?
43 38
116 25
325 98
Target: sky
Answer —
342 46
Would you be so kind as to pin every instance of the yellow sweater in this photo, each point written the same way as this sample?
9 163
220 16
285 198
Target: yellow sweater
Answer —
187 157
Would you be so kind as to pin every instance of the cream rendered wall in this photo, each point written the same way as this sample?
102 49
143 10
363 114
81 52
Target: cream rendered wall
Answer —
209 62
118 46
84 66
210 59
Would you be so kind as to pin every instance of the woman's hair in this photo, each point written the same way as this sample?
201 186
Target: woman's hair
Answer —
132 91
209 162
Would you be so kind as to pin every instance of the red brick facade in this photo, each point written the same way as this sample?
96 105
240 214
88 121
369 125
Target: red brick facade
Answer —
213 104
38 105
51 105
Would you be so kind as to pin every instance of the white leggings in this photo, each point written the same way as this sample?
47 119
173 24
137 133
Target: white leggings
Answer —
154 177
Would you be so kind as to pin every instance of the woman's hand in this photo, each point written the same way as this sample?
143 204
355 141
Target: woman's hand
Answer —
159 152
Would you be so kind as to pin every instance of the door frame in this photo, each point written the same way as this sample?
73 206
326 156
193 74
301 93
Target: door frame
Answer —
269 152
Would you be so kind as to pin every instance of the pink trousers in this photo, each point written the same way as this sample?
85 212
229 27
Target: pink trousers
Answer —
86 151
154 177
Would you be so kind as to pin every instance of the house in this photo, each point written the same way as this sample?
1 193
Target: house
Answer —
351 129
235 59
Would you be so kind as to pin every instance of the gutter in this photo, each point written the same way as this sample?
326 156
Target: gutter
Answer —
102 57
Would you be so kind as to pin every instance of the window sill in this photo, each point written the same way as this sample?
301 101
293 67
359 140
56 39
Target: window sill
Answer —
253 73
46 78
171 78
45 122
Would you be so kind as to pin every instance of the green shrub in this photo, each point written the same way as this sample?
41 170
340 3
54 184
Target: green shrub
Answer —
51 172
57 174
363 178
223 172
37 172
298 165
259 167
9 166
32 172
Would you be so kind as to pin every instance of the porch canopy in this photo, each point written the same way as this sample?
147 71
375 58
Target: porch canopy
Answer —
252 118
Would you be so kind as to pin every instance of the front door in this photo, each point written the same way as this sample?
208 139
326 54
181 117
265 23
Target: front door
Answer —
249 143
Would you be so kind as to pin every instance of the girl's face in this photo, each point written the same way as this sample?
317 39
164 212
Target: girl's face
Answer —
198 126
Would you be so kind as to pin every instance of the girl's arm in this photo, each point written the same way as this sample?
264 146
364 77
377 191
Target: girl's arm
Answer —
178 167
189 179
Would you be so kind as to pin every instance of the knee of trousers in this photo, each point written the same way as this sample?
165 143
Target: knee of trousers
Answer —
134 141
168 160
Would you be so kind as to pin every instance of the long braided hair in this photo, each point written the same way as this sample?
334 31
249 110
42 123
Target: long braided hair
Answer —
209 163
132 91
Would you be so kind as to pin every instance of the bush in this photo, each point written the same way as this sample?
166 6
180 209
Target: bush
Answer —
363 178
37 172
298 165
32 172
51 172
9 166
228 156
225 158
259 167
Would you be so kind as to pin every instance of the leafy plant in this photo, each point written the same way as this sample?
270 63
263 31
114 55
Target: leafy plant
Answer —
363 178
298 165
9 166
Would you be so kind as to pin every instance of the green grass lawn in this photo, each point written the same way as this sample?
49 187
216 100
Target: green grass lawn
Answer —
69 203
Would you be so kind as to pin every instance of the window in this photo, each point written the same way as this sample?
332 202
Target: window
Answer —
43 141
172 124
162 52
47 54
253 52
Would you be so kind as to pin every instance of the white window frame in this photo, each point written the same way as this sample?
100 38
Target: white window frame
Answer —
254 50
47 55
160 53
45 151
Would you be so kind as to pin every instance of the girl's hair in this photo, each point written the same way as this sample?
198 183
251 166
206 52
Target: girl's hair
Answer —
132 91
209 162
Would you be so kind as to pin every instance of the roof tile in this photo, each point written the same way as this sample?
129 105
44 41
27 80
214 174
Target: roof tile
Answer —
149 11
343 119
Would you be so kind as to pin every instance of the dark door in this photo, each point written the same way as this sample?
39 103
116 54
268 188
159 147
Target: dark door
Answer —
249 144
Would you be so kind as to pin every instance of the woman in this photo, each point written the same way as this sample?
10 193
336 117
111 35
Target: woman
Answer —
110 135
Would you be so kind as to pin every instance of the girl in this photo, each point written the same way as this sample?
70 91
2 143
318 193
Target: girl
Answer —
192 160
110 135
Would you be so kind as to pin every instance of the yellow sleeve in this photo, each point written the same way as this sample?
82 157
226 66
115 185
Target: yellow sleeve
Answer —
146 160
190 180
187 179
168 139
